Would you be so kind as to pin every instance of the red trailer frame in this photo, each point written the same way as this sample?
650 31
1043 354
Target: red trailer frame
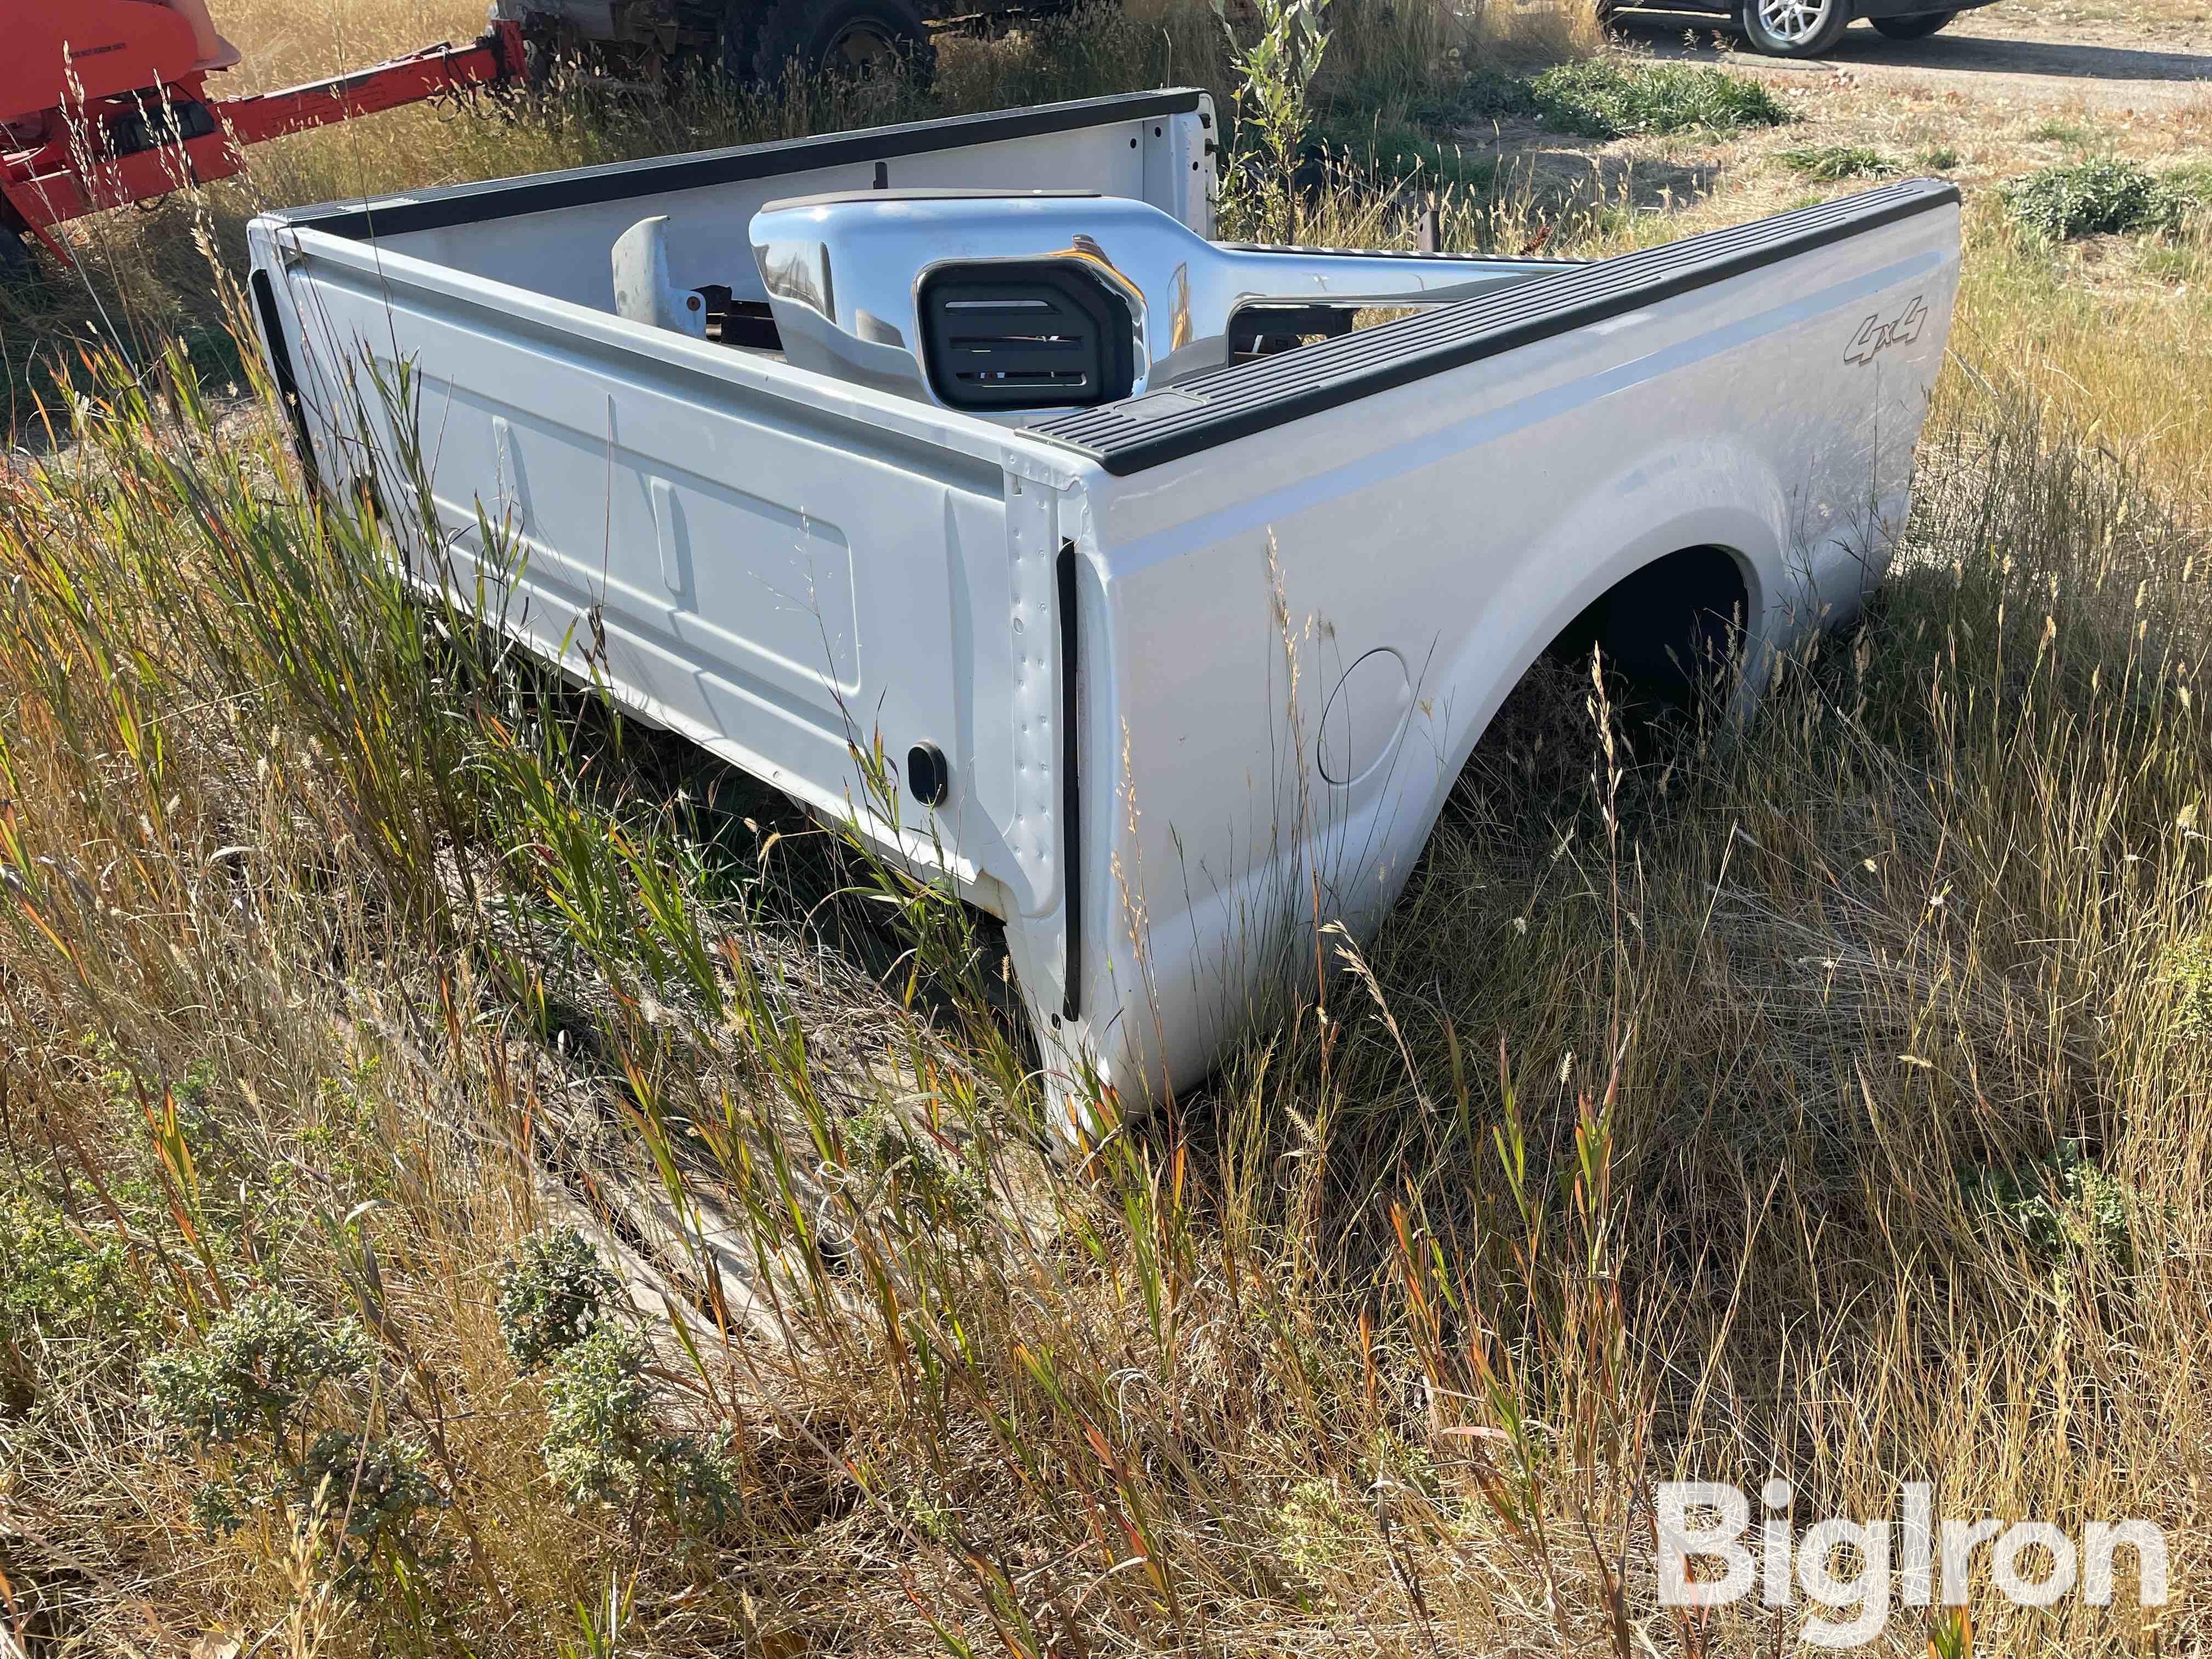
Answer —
129 120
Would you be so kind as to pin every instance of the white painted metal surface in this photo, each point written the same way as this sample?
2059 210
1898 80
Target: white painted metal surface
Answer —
1460 523
781 563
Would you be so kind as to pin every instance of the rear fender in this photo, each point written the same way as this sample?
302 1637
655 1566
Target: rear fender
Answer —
1698 504
1172 999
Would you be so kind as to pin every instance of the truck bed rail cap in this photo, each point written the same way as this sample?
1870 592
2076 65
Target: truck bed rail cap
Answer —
1223 404
615 181
835 197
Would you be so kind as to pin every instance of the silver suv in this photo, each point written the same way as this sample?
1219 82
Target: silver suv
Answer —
1807 28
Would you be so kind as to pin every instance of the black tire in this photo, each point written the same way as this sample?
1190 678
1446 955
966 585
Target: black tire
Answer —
1793 28
1917 27
859 38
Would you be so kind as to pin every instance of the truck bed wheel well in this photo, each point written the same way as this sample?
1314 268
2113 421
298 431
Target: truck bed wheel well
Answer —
1665 629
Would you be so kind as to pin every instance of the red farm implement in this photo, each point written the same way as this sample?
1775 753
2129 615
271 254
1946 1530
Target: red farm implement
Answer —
106 102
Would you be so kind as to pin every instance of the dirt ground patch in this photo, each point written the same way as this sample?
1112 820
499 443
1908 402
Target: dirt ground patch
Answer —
2008 89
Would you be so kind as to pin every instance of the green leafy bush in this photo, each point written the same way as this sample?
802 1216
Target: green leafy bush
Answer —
1608 98
1316 1529
2111 197
1274 92
1487 92
57 1278
369 1489
2060 1205
260 1398
603 1447
2187 975
552 1294
257 1372
2185 192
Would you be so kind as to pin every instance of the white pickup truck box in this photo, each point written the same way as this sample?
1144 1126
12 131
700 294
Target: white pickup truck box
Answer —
1174 672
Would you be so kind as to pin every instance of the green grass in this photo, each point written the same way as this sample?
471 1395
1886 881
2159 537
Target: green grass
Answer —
2079 134
2180 262
1602 97
1398 153
1831 162
1616 98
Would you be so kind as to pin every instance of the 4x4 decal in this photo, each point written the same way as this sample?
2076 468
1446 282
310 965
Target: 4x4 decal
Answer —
1876 337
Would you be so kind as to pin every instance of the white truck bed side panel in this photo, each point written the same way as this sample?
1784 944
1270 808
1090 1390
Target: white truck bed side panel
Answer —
778 566
1458 523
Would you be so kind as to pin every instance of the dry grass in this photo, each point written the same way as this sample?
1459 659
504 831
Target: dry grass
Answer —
285 45
341 952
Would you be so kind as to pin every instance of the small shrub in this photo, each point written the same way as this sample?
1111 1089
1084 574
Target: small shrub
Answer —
2104 198
1492 92
945 1186
2184 193
370 1490
257 1372
2187 976
2062 1206
2057 130
1606 98
2082 199
222 1506
603 1447
553 1293
1274 92
1317 1531
1941 158
59 1279
1830 163
249 1397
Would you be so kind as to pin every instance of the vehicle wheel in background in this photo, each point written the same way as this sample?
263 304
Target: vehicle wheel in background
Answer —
1794 28
1917 27
860 39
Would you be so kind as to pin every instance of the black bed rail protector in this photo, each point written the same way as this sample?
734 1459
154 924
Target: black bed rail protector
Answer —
545 192
1307 249
1223 404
